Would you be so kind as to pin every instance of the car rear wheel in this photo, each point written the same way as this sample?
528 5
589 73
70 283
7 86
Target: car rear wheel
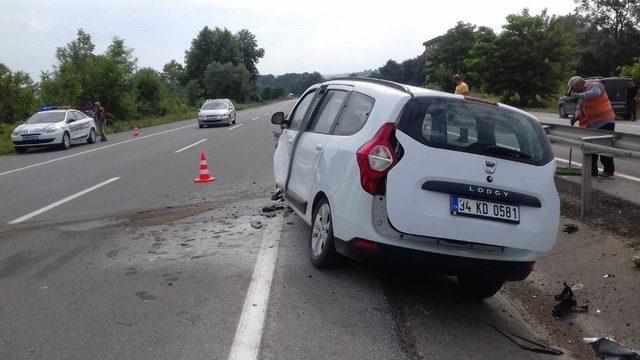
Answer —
322 249
21 150
478 286
92 136
66 141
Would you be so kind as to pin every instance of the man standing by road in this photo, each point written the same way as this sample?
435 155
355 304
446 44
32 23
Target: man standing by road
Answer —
594 111
461 87
100 115
632 92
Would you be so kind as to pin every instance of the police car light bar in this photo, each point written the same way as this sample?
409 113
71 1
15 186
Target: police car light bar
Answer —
57 107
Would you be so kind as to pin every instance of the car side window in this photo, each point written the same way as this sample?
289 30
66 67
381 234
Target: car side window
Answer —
70 116
298 113
329 110
79 115
355 114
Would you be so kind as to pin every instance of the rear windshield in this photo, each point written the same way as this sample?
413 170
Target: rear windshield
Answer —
477 128
46 117
214 105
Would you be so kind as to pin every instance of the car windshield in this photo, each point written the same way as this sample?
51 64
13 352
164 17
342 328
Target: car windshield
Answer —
475 127
214 105
46 117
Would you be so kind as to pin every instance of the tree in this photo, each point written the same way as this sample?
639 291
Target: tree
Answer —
278 92
612 35
217 45
266 93
250 52
391 71
173 74
152 94
632 71
227 81
477 66
529 60
413 71
18 100
450 55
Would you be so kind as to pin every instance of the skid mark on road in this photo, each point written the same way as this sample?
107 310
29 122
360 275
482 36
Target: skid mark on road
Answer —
92 150
190 146
235 127
246 344
60 202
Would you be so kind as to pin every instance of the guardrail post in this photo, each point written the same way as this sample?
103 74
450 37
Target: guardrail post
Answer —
587 159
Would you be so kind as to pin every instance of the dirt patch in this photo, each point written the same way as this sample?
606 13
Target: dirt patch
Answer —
609 213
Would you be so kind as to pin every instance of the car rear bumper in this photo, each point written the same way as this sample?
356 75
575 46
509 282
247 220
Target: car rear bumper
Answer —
385 254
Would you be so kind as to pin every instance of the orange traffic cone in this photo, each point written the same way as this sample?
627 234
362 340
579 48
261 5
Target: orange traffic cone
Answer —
136 133
204 176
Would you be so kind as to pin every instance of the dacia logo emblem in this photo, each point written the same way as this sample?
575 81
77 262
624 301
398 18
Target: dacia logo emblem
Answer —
490 166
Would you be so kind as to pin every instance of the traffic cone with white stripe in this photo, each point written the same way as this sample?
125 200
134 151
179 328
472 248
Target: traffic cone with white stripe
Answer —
204 176
136 133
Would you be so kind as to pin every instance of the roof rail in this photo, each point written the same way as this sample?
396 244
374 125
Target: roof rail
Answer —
388 83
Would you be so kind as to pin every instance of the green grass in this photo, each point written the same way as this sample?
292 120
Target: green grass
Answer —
122 126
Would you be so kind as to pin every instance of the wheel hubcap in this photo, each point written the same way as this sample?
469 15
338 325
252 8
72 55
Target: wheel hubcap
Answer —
321 227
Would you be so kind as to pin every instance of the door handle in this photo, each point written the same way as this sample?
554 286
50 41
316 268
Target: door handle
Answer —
319 146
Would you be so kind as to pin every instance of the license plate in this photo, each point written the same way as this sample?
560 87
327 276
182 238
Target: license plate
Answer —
30 137
485 209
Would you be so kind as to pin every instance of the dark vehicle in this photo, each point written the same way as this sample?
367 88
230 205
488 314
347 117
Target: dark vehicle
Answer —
616 90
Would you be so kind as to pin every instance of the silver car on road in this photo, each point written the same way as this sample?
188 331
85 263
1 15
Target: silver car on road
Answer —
217 112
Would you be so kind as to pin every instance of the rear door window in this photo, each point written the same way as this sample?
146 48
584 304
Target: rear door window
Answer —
329 110
355 114
474 127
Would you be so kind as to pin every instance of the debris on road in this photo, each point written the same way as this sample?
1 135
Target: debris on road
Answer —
607 348
567 304
277 195
529 345
636 260
256 224
269 215
608 276
570 228
272 208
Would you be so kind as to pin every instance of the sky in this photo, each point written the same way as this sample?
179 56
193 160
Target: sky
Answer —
329 36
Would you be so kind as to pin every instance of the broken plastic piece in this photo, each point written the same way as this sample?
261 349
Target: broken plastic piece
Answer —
567 304
607 348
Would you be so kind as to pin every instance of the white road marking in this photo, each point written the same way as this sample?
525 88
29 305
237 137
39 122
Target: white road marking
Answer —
624 176
60 202
190 146
235 127
92 150
255 118
246 344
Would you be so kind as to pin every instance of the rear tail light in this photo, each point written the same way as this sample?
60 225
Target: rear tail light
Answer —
376 158
366 245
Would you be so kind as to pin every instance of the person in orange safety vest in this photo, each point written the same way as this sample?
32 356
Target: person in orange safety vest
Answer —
594 111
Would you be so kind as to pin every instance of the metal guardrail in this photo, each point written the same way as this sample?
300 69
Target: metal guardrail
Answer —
592 141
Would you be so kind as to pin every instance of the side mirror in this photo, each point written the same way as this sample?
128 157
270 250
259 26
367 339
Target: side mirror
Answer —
69 121
278 118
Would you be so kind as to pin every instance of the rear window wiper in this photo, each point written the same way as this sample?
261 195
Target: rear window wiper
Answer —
499 150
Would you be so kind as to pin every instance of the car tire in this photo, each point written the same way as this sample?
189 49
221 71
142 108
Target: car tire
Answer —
322 250
478 286
200 126
66 141
92 136
234 119
21 150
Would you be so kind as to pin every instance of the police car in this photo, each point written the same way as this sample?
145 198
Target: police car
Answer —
54 126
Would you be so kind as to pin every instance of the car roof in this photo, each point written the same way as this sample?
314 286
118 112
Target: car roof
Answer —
56 111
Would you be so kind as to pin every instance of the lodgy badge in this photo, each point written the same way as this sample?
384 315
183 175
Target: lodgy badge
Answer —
488 191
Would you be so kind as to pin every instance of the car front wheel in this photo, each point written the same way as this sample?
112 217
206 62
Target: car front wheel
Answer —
92 136
322 249
478 286
21 150
66 141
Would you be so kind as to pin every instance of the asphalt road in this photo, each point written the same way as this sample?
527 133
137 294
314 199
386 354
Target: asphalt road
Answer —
154 266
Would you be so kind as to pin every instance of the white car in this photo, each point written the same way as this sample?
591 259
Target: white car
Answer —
216 112
384 171
54 126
